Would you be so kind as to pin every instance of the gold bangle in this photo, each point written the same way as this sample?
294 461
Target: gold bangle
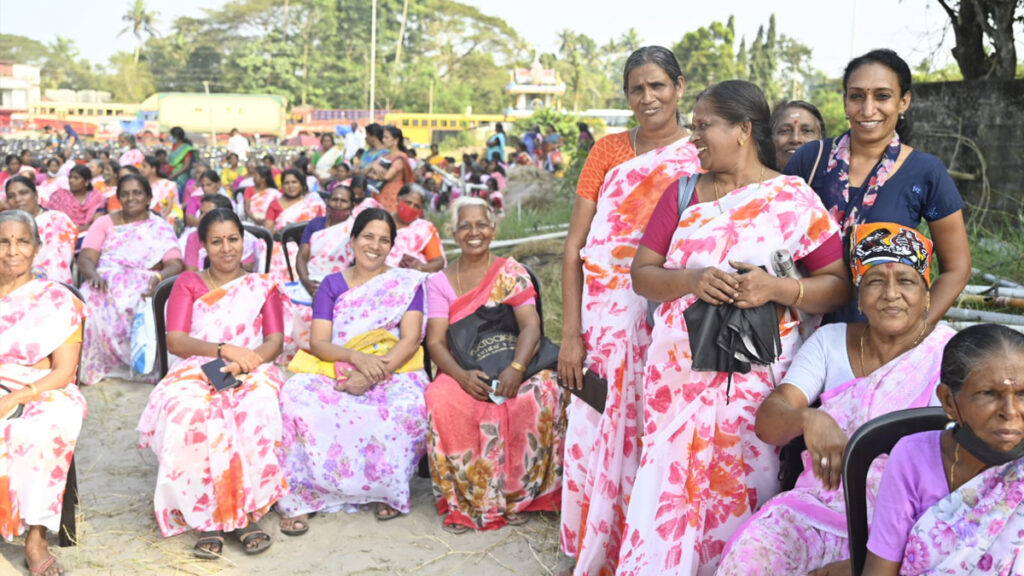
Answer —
159 277
800 297
517 366
35 392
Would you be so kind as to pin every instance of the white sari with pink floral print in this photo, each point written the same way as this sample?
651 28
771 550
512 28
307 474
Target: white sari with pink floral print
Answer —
603 450
36 448
216 449
413 240
129 253
703 471
59 235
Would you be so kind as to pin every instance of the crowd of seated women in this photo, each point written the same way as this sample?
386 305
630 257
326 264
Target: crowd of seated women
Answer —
679 474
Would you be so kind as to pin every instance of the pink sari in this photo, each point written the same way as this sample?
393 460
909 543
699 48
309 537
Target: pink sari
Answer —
260 202
309 207
810 517
129 253
603 450
487 460
413 240
36 448
216 449
703 471
165 199
59 236
978 529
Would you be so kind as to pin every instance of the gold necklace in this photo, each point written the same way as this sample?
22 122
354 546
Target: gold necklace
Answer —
636 133
952 469
862 334
458 271
216 286
718 193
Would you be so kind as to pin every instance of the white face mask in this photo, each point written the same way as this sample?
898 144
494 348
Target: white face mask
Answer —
51 174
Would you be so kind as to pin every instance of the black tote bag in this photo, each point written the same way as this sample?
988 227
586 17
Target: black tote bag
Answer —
486 340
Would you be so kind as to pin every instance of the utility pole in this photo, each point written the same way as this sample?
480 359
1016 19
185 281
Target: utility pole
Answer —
373 58
209 106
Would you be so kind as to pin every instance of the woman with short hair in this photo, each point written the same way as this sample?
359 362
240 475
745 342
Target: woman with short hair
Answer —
491 461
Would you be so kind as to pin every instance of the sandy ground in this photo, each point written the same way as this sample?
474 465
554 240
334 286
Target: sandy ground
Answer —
118 533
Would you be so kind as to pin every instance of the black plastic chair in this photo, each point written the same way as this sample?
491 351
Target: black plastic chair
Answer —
68 533
160 296
268 239
291 233
871 440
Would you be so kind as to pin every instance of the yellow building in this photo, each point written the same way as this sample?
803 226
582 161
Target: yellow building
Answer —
199 112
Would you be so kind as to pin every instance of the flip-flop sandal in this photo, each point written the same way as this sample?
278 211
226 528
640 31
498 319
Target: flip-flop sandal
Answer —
43 567
297 531
383 513
516 519
247 534
456 529
203 548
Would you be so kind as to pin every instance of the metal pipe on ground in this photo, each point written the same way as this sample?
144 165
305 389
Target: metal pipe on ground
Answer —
965 314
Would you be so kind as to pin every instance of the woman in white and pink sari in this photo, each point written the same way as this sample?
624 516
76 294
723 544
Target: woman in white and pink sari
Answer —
261 195
418 244
165 201
296 204
605 329
124 256
218 469
41 323
703 471
859 372
57 230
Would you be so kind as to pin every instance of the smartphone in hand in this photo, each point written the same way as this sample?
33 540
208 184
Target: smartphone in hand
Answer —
220 380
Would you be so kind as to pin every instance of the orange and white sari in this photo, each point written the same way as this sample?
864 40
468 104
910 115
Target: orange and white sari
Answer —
216 449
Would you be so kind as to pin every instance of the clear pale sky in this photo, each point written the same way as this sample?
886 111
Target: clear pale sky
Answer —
914 28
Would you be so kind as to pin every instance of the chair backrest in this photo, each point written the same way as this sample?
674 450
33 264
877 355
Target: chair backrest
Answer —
871 440
291 233
536 286
268 239
160 296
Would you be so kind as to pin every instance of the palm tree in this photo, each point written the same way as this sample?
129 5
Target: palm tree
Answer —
140 21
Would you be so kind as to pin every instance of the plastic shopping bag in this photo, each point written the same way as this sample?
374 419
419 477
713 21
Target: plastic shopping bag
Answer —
144 339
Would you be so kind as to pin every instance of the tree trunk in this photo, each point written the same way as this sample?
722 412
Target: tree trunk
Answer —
969 51
1002 36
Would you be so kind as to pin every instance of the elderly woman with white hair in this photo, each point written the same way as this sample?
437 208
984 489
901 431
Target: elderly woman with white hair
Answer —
41 409
494 441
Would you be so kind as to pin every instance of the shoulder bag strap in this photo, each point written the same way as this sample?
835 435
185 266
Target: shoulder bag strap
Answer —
821 148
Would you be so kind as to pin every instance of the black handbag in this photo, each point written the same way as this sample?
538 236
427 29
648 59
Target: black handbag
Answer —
725 338
18 409
486 340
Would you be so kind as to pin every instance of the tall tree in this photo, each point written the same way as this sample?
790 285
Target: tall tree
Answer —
141 21
706 55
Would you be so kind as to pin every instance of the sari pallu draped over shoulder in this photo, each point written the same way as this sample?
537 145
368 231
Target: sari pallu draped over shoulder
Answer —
486 460
126 262
340 450
805 528
602 450
977 529
413 240
216 449
702 469
309 207
36 448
